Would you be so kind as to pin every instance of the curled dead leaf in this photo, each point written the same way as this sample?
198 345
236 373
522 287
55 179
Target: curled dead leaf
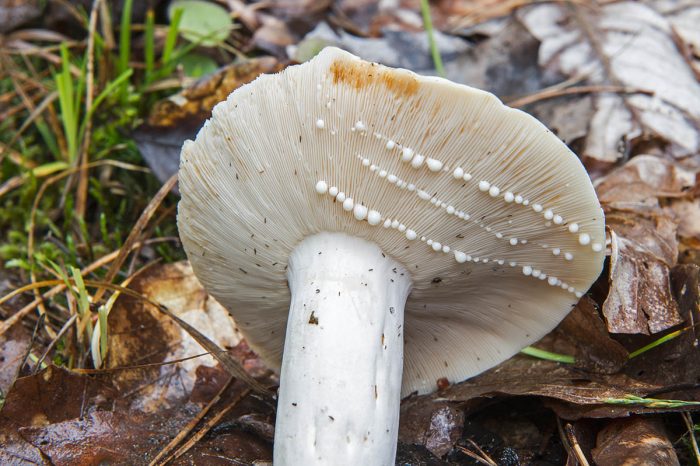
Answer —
637 441
643 241
640 298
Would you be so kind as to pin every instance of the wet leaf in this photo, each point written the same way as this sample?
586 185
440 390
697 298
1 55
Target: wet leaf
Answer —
105 437
436 426
140 334
570 392
416 455
626 44
52 396
179 117
637 441
14 345
674 363
15 341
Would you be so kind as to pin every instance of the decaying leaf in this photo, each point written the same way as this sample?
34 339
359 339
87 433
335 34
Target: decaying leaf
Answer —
523 376
684 17
635 442
437 426
14 345
642 182
640 299
644 243
595 350
675 363
16 340
127 415
140 334
624 44
52 396
62 418
180 116
104 437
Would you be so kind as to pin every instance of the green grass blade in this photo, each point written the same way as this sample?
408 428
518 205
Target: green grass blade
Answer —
656 343
171 38
650 402
125 36
49 168
83 300
102 319
111 87
48 137
547 355
66 100
428 24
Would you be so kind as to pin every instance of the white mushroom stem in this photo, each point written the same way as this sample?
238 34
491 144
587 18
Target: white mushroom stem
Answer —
340 383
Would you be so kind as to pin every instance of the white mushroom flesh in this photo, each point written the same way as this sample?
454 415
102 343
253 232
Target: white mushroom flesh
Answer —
343 356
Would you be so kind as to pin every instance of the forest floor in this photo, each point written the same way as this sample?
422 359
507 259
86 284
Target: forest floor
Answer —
97 364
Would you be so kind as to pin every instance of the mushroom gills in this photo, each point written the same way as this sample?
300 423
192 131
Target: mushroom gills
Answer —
340 382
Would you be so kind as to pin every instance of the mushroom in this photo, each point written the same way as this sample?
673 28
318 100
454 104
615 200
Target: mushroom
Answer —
362 222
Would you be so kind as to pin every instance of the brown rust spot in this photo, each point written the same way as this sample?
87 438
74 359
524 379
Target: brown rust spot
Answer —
313 320
362 74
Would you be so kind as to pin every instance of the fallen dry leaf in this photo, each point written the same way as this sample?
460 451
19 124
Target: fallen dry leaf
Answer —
139 334
684 17
643 242
625 44
273 36
640 183
634 442
640 299
688 212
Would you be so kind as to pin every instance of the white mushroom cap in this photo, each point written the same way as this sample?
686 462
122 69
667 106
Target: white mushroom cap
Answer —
492 215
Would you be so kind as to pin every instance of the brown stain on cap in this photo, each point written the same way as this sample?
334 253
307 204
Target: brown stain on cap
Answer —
361 74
